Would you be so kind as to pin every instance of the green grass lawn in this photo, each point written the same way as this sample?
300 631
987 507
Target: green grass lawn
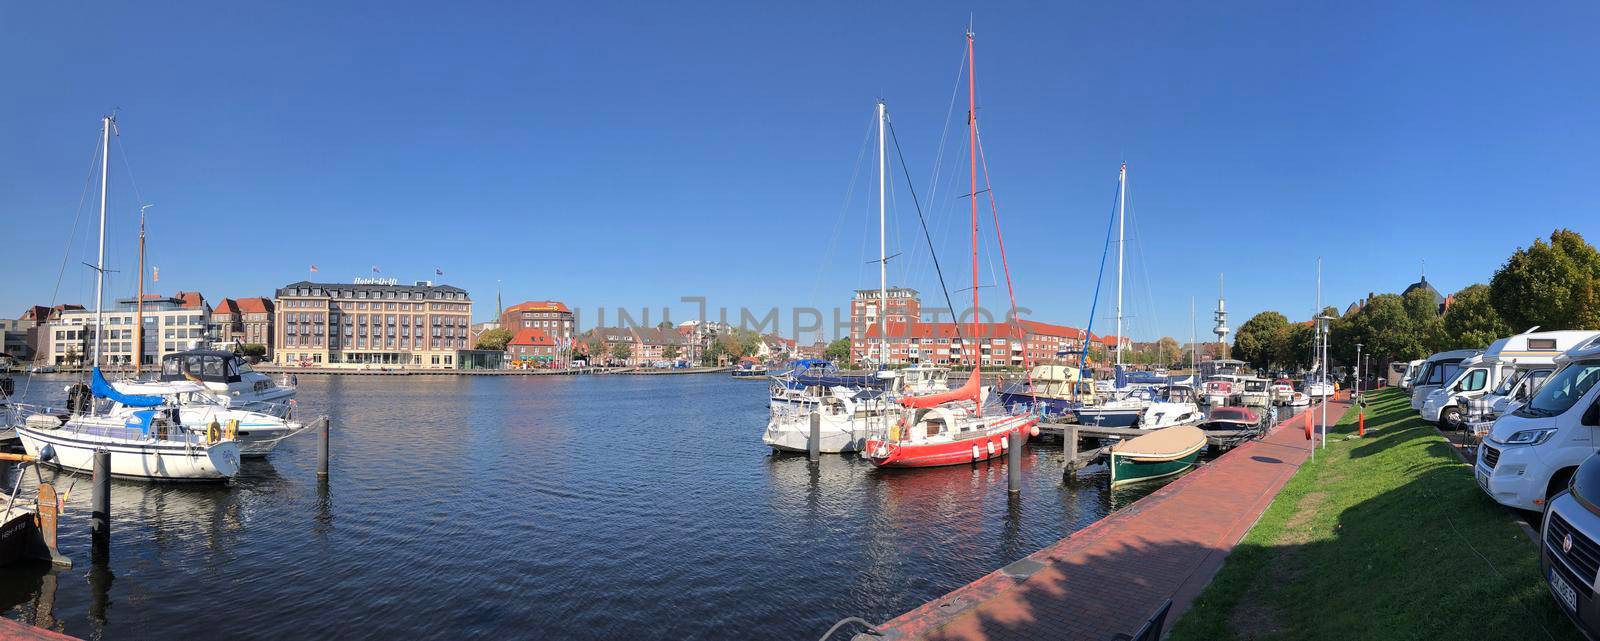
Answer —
1382 537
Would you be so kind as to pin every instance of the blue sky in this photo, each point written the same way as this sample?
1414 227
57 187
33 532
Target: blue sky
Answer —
625 155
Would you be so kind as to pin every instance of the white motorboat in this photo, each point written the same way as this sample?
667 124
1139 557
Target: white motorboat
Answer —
1220 390
1175 406
1316 387
227 375
845 417
197 410
1254 392
142 444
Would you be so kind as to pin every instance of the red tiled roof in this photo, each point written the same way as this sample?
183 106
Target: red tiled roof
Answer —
532 336
191 299
1048 329
227 306
35 312
256 305
987 330
66 307
538 306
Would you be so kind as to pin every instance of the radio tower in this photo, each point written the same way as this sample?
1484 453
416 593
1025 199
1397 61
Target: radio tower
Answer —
1221 330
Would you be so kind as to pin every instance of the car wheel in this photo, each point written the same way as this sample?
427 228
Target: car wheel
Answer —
1450 419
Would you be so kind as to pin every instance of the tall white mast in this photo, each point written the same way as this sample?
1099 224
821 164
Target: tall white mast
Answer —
883 260
1122 210
100 262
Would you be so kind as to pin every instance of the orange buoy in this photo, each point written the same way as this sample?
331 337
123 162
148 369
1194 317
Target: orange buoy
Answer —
1309 431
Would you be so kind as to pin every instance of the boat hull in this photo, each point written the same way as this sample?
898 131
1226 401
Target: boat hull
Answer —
1127 469
1043 405
992 444
1108 417
130 459
792 433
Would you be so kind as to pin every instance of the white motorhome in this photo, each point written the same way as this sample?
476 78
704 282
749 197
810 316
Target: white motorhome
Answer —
1400 373
1531 453
1438 370
1483 374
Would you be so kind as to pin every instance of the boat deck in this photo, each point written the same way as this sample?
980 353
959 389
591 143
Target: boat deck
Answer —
1112 576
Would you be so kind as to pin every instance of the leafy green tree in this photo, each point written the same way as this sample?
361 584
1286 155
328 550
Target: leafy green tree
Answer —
1472 321
838 351
1168 351
1261 339
621 351
595 347
254 350
1296 350
671 352
495 339
1387 329
1553 285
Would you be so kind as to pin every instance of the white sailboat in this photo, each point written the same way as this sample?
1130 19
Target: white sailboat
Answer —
1120 408
148 441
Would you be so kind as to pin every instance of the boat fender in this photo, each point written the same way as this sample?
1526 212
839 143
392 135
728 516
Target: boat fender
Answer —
1005 444
213 432
974 451
232 431
1033 430
990 445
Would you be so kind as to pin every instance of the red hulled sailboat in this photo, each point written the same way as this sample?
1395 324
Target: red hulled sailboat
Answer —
955 427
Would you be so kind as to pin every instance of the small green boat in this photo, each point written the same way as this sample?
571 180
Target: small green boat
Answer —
1163 452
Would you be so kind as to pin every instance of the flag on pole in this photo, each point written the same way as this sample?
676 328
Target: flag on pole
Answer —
313 268
438 272
155 274
375 270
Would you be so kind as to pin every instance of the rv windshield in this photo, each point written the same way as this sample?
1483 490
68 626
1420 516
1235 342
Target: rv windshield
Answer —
1505 387
1563 389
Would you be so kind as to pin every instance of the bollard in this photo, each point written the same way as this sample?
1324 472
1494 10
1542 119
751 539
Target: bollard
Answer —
814 444
1014 464
322 451
1361 423
100 506
1069 448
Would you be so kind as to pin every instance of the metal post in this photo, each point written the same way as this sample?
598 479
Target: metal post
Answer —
322 450
100 506
814 444
1014 464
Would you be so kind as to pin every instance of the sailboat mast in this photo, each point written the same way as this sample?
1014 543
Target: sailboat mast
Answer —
138 304
883 260
100 261
1122 210
972 146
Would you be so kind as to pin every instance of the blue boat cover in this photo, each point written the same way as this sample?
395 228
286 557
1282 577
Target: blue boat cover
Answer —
102 389
140 420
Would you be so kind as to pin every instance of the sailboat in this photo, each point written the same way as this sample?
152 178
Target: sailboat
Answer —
1121 408
844 411
147 442
953 427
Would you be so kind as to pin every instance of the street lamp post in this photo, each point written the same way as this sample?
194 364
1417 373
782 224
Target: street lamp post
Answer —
1323 321
1358 370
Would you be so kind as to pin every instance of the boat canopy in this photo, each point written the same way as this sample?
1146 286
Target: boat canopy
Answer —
206 365
102 389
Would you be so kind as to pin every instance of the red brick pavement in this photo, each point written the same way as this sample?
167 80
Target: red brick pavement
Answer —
1110 577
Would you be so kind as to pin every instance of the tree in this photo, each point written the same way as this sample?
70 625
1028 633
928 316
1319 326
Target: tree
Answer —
495 339
1553 285
1260 340
254 351
1168 351
1472 321
1298 344
1386 329
621 351
595 347
671 352
838 351
72 356
664 325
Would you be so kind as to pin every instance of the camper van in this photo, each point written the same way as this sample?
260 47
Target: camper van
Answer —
1441 368
1530 454
1483 374
1400 372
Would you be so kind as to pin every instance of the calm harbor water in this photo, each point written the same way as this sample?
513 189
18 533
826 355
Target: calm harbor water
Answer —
540 507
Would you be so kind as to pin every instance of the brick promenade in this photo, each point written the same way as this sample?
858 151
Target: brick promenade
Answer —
1110 577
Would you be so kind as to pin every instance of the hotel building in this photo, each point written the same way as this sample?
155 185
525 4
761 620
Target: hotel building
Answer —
372 321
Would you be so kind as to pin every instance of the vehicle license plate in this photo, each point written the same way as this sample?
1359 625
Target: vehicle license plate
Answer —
1558 584
1483 480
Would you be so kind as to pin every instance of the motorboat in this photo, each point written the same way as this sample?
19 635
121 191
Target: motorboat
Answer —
1155 455
1317 387
750 371
1231 418
226 375
810 379
28 526
916 380
1220 389
193 406
1282 391
1119 412
845 417
1174 406
1254 392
